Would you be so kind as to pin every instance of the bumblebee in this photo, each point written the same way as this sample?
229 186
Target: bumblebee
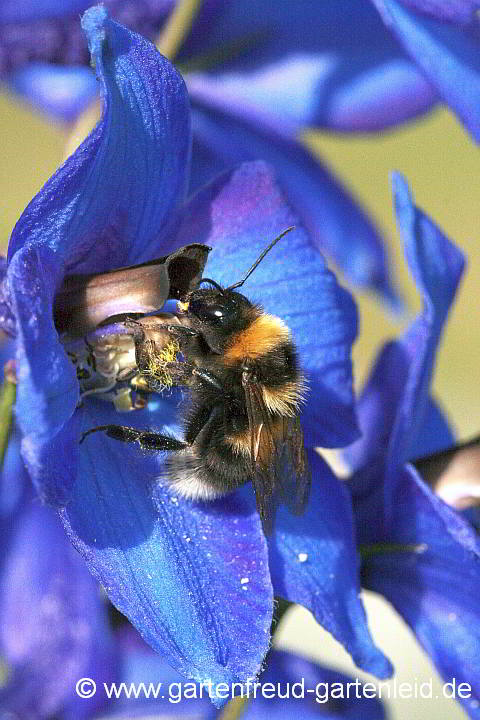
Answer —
246 390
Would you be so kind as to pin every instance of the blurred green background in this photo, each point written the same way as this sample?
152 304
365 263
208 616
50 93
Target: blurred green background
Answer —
441 165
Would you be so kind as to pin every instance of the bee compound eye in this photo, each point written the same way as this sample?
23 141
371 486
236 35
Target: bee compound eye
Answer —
207 312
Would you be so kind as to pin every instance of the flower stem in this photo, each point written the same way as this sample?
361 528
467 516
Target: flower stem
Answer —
367 551
234 709
7 401
177 27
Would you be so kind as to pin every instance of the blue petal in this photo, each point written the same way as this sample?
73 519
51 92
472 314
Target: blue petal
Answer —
60 91
193 579
119 188
95 213
393 405
140 664
284 670
435 433
378 406
313 562
14 480
29 10
13 484
238 215
54 626
352 93
331 65
435 585
460 11
335 222
446 53
7 318
437 266
47 391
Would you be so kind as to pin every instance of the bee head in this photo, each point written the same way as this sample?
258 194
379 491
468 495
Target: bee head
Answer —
217 313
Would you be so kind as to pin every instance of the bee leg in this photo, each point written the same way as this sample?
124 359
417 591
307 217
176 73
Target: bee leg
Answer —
181 331
144 349
184 373
207 377
141 345
137 328
147 439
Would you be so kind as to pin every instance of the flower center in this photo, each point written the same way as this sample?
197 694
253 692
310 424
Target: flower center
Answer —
106 321
107 368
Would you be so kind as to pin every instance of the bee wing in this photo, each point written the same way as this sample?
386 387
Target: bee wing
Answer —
280 471
296 478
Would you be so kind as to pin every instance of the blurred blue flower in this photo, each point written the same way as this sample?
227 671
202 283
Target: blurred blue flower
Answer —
257 74
197 580
55 630
354 75
294 687
442 37
418 552
54 626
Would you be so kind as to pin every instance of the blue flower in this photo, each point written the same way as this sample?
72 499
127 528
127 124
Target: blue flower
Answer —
418 552
270 72
176 569
54 622
333 65
54 617
443 40
293 686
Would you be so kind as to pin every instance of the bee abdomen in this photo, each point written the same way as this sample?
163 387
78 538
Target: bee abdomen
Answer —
207 473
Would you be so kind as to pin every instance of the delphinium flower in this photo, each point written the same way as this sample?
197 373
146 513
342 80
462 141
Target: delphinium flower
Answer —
196 579
54 625
442 37
260 73
293 686
55 632
331 65
257 76
418 552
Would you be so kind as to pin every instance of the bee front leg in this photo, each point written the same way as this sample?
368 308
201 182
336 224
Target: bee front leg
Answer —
147 347
147 439
173 374
185 373
139 329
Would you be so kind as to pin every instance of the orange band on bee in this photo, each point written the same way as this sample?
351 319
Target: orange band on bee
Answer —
263 335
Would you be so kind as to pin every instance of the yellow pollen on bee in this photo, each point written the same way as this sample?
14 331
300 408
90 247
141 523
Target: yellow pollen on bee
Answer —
157 363
183 306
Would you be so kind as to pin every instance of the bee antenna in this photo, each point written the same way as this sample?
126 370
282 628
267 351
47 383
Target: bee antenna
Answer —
212 282
259 260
